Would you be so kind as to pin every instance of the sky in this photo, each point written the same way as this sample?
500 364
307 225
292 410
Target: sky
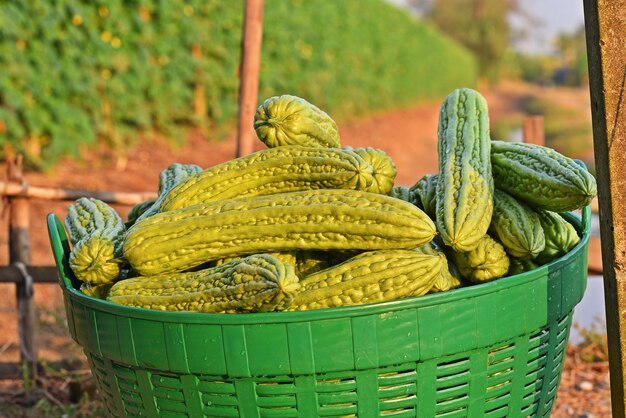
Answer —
554 16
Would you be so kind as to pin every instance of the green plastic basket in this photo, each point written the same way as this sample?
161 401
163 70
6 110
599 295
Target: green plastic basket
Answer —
492 350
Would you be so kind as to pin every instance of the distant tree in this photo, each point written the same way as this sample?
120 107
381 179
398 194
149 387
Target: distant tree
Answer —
571 50
482 26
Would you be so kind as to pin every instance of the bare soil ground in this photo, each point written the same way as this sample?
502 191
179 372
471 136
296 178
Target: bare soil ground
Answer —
409 136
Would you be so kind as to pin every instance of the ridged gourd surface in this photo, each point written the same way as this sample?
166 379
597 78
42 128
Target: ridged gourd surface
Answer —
273 170
561 236
486 262
542 177
88 215
311 220
425 194
372 276
446 280
516 226
384 169
255 283
402 193
290 120
465 183
95 259
96 231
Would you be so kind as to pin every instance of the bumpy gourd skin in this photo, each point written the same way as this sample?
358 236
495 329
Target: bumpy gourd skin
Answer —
94 259
540 176
401 192
372 276
305 262
446 280
96 232
324 219
88 215
96 291
291 120
169 178
273 170
516 226
486 262
425 192
465 183
561 236
255 283
384 168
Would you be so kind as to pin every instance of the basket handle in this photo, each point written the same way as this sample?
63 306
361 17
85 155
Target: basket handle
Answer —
586 219
60 250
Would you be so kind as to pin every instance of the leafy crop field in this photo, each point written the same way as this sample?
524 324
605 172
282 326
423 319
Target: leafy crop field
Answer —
76 73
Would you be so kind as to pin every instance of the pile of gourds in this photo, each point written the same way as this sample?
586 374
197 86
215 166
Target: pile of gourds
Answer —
308 224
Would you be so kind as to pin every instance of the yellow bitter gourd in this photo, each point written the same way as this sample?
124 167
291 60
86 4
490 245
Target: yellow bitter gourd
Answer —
560 235
372 276
488 261
541 177
96 232
516 226
323 219
288 257
305 261
465 183
425 194
446 279
273 170
384 168
291 120
255 283
99 291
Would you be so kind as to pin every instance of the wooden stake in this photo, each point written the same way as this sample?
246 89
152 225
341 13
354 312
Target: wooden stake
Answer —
533 130
605 33
199 99
19 254
249 75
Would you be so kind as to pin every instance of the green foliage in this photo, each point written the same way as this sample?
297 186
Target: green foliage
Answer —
351 57
538 69
480 25
571 48
593 346
75 71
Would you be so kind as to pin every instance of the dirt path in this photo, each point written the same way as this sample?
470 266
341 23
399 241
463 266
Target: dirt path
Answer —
409 136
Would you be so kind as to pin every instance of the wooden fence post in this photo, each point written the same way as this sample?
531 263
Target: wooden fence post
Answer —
605 32
19 254
249 75
533 130
199 99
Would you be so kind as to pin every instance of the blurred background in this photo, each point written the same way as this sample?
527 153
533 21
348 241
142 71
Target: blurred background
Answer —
103 95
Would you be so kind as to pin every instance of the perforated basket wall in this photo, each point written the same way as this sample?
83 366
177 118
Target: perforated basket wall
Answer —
493 350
